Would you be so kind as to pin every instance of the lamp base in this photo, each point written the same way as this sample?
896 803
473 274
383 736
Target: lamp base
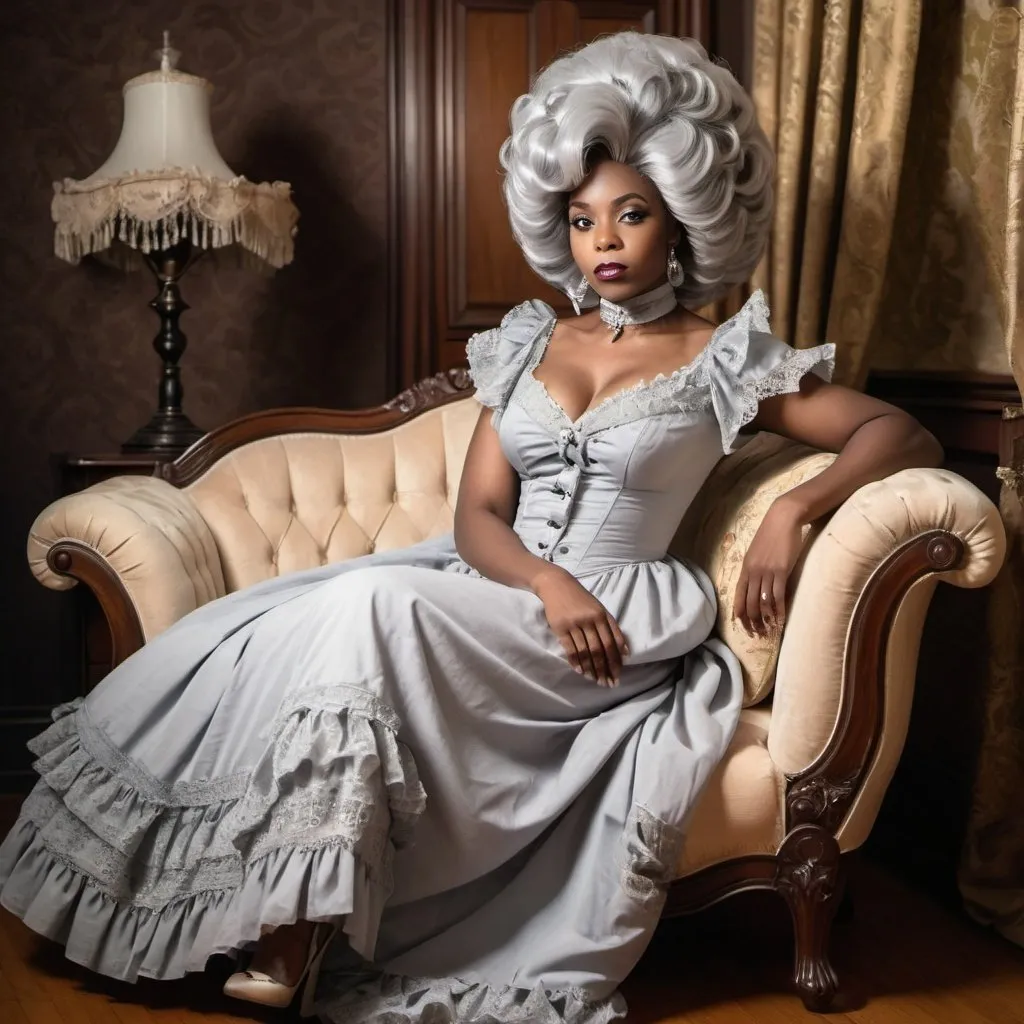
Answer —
167 433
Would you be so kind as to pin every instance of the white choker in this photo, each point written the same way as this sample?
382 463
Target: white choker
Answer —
641 309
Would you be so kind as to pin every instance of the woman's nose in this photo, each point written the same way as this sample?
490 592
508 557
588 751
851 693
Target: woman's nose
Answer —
607 240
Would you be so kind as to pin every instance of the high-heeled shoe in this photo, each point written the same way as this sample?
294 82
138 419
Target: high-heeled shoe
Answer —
256 987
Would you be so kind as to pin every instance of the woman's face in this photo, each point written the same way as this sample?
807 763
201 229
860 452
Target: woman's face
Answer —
620 231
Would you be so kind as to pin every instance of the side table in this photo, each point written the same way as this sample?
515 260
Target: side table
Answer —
84 627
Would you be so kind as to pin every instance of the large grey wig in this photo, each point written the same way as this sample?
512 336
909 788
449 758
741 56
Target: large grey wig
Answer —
662 106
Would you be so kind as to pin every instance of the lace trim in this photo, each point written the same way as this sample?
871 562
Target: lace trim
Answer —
117 878
482 355
685 391
138 846
362 995
494 368
782 379
650 852
662 394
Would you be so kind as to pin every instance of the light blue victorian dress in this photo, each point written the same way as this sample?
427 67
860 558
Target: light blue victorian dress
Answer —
399 745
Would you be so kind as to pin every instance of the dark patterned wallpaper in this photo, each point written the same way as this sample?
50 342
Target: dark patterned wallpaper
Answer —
299 95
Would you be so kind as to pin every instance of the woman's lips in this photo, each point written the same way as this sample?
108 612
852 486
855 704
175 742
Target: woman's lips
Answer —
609 271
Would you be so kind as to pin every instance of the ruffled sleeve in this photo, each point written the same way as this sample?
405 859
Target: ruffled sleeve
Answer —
748 364
498 357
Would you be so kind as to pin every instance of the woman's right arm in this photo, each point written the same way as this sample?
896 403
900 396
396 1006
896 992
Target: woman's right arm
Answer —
488 496
486 509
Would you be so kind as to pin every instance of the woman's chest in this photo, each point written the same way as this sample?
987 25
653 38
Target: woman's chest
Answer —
658 452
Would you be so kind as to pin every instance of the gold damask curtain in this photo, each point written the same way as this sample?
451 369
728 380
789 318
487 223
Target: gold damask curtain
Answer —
899 132
832 87
992 871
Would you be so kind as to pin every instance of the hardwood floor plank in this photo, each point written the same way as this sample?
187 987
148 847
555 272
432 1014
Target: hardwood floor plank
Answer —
12 1013
41 1011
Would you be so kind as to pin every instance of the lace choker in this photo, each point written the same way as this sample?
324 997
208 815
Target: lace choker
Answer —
641 309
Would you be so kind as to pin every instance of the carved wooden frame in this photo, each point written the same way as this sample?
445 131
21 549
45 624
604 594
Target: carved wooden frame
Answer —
807 870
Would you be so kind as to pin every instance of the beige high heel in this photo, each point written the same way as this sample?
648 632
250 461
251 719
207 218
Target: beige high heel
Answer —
256 987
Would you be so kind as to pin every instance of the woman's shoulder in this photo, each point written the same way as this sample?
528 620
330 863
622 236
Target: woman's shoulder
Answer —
497 356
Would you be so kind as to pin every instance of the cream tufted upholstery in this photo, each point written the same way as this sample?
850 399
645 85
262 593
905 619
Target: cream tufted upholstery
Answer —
298 500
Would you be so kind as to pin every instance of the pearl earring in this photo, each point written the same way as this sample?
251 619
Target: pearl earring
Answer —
675 269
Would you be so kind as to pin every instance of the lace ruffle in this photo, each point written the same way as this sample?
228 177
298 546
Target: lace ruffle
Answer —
497 357
389 999
740 407
741 365
168 880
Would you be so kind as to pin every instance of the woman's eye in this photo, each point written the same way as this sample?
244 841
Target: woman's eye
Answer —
634 216
580 222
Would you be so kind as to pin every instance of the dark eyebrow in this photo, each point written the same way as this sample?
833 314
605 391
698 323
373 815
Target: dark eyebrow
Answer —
615 202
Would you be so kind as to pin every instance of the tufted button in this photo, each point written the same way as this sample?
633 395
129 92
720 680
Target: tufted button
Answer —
553 524
541 545
564 550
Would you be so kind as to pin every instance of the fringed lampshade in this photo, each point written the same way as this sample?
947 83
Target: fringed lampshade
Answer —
164 196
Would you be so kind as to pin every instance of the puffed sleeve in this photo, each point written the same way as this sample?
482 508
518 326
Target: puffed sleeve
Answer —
498 357
749 365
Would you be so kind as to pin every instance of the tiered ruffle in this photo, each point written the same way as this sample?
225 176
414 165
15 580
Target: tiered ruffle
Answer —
137 878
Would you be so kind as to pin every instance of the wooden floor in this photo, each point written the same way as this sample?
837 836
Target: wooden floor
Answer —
902 959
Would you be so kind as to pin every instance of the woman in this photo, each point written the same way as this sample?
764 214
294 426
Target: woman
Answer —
473 760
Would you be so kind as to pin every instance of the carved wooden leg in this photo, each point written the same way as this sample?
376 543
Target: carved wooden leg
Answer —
809 877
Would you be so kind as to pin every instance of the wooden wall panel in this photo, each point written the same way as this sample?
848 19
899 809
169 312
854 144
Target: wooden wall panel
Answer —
494 63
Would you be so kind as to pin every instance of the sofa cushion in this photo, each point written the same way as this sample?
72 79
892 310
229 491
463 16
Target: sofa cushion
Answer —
742 809
720 525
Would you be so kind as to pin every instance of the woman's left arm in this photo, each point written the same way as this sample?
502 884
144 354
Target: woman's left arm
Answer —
873 440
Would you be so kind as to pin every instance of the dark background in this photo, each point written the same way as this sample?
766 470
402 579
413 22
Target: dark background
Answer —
299 95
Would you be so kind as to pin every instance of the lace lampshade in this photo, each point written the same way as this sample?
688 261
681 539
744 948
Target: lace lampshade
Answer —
165 180
164 196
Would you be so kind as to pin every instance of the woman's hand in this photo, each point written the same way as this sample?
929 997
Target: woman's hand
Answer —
760 602
590 637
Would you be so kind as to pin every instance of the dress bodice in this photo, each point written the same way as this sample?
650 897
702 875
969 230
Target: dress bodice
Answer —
610 488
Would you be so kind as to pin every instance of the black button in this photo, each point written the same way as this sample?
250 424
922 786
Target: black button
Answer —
558 490
541 545
553 524
563 550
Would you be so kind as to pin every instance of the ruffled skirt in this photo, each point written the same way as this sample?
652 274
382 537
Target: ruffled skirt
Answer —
399 750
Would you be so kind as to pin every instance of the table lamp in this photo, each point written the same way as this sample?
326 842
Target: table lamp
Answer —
165 196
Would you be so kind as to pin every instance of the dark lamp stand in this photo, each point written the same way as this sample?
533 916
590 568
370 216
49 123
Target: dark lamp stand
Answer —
169 431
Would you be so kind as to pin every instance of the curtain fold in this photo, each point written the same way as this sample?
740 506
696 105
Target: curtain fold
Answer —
991 874
832 86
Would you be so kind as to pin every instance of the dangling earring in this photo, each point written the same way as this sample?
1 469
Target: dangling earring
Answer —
675 269
578 292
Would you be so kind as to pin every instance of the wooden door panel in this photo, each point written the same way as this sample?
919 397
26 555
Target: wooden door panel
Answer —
485 265
497 49
464 270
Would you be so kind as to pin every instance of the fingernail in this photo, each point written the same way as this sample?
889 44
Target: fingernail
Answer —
577 670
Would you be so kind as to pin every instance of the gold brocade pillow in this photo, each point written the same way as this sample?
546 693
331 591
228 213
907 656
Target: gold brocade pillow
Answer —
721 523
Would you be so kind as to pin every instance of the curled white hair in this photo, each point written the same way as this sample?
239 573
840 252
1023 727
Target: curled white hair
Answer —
660 105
